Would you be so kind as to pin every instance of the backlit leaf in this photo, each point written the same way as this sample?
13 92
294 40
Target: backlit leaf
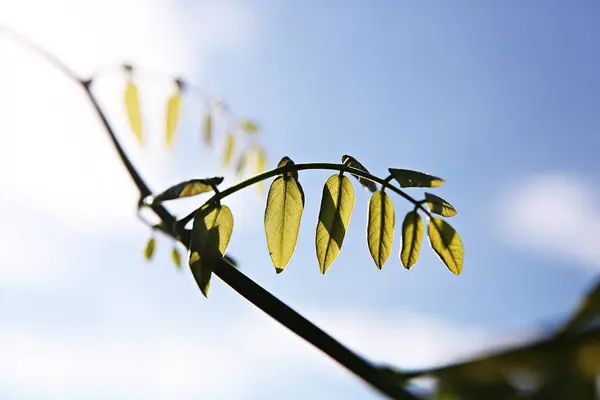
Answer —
229 149
439 206
352 162
408 178
447 244
173 112
176 257
249 126
211 233
208 129
261 166
337 205
132 107
287 161
149 250
188 188
380 227
241 165
283 214
413 230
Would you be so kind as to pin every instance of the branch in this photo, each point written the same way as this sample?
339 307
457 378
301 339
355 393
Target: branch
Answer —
254 293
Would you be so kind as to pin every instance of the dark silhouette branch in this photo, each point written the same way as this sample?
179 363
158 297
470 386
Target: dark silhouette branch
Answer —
239 282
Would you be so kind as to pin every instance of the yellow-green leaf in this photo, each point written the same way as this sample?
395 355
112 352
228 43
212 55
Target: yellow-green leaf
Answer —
352 162
149 250
287 161
439 206
447 244
176 257
261 166
208 129
211 233
243 160
337 205
381 223
173 111
413 230
188 188
409 178
229 149
132 107
283 213
249 126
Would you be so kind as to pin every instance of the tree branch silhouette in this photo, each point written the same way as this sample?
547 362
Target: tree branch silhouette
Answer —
251 291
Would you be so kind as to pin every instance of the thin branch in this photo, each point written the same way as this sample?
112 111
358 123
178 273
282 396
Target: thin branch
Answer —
226 272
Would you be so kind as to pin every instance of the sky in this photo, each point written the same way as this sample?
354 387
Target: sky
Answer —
498 98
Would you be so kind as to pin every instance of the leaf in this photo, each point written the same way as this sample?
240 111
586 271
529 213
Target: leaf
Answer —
188 188
208 129
211 233
447 244
287 161
229 148
132 107
149 250
239 170
337 205
352 162
380 227
173 112
261 166
283 214
176 257
409 178
439 206
413 230
249 126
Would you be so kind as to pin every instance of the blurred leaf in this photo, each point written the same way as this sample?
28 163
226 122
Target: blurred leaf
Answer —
352 162
261 166
229 149
439 206
176 257
208 129
173 112
447 244
380 227
413 230
211 233
587 311
188 188
132 107
149 250
242 161
407 178
283 214
337 205
249 126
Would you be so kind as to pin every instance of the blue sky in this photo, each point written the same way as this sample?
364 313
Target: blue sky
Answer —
498 98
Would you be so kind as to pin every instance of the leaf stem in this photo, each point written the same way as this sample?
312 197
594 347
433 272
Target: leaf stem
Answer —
253 292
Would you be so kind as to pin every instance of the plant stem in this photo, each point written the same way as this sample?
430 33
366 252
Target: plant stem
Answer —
253 292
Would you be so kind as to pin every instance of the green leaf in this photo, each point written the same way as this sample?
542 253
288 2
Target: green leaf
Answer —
132 107
337 205
149 250
243 160
352 162
211 233
287 161
407 178
176 257
447 244
380 227
188 188
249 126
439 206
173 112
261 166
283 214
413 230
229 149
208 129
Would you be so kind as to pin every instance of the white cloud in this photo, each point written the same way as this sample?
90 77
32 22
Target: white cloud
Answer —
556 215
